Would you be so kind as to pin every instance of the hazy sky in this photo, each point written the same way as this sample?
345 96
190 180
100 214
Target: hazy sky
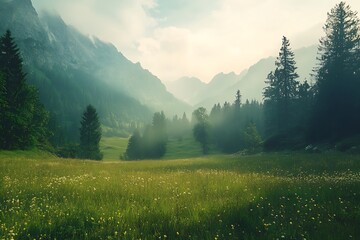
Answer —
175 38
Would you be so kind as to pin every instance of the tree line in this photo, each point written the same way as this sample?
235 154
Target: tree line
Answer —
327 111
293 115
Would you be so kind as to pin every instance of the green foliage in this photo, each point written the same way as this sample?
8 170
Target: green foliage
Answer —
229 122
252 139
201 128
23 119
134 149
269 196
337 105
179 127
281 92
90 135
152 144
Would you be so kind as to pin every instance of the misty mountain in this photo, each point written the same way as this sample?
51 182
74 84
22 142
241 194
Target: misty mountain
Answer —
193 90
72 70
186 88
250 82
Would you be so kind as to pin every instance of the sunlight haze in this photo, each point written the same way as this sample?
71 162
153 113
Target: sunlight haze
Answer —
197 38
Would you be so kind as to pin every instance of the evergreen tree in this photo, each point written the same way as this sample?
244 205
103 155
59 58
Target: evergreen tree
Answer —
134 150
23 118
237 103
337 107
90 135
159 138
152 144
281 91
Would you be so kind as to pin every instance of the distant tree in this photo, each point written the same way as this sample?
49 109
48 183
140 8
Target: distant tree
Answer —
337 102
23 118
252 139
152 144
201 128
160 136
90 135
237 103
134 150
184 119
178 128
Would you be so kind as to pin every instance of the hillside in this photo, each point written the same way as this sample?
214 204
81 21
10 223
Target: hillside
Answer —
72 70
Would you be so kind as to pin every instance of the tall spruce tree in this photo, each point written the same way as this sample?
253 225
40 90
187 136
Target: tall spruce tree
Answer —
281 91
337 107
90 135
23 118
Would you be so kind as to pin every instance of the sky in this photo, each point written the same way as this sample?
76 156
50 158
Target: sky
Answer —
197 38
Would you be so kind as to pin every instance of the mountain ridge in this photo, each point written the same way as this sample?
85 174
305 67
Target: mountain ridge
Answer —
250 82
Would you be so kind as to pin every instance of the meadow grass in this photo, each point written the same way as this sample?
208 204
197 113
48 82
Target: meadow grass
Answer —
266 196
113 147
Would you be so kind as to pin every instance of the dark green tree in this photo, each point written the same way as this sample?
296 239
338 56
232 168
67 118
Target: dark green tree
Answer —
90 135
237 103
252 138
281 91
201 129
152 144
23 119
134 148
337 104
159 135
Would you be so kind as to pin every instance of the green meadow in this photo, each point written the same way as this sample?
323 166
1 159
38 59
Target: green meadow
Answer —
264 196
113 147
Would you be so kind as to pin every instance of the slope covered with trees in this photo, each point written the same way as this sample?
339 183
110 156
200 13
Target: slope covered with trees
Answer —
72 70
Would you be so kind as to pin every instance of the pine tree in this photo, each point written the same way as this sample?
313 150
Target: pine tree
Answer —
237 103
134 148
336 113
90 135
281 91
24 119
159 135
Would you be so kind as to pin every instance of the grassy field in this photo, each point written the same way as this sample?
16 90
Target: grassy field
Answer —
113 147
270 196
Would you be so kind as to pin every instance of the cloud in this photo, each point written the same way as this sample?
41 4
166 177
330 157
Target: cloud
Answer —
197 37
119 22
